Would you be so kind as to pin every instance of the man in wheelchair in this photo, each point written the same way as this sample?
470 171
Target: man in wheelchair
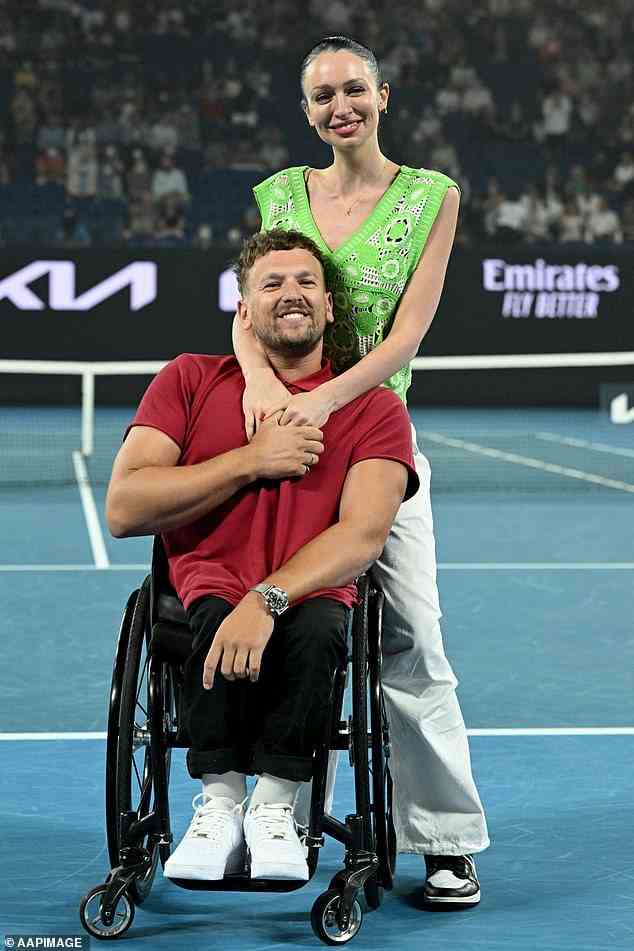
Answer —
263 540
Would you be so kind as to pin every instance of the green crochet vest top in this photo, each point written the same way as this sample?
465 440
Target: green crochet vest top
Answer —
368 273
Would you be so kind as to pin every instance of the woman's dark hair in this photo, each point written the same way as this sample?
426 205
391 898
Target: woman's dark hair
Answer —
330 44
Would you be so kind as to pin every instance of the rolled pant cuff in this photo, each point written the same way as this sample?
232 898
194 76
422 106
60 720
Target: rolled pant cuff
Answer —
215 761
295 768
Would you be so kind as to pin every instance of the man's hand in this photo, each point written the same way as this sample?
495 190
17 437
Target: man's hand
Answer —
263 391
305 409
283 452
240 641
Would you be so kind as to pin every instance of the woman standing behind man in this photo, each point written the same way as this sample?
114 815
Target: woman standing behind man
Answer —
386 232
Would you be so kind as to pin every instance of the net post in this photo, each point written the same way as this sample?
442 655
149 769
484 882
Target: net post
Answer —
87 412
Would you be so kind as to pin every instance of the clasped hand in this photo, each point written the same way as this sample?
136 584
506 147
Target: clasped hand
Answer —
265 396
285 452
304 409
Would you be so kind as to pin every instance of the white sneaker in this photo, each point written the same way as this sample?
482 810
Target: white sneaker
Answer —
213 846
271 836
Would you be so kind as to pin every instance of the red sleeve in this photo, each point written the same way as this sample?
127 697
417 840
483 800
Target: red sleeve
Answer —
385 432
166 404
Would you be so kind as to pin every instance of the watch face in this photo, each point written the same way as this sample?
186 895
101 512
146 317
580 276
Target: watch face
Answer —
277 599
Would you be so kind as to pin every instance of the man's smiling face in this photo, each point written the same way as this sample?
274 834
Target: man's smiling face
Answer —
287 302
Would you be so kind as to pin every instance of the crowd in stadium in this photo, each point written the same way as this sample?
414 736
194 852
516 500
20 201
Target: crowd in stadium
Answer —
147 122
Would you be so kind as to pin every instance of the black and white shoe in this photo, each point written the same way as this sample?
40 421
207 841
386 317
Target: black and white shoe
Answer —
451 880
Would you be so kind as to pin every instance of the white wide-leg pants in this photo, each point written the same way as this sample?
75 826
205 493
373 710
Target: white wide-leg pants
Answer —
437 809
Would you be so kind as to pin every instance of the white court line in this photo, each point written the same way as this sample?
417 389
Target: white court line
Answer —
442 566
556 731
107 567
536 566
97 544
51 736
586 444
502 731
529 462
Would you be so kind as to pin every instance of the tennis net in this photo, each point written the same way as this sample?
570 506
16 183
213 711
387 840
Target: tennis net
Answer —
56 415
470 448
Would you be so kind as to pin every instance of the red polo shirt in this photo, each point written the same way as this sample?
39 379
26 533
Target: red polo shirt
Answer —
197 401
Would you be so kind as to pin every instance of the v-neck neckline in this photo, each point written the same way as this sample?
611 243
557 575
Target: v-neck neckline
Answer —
359 233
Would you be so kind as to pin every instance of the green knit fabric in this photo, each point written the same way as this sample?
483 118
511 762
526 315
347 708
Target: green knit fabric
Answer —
369 272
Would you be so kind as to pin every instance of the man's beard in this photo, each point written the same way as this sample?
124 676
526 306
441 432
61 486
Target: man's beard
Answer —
297 346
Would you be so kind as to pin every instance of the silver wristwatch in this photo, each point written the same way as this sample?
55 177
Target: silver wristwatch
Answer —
276 599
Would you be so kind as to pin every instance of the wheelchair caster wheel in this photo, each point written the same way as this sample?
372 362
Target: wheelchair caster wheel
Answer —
323 919
90 914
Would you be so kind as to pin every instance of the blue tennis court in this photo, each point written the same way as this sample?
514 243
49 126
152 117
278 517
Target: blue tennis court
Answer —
534 513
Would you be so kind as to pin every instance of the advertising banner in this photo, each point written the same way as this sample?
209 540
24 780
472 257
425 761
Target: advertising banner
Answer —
140 304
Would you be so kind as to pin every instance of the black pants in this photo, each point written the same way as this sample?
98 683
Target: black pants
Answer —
274 725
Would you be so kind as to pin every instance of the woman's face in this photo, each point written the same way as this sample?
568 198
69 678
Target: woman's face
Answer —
342 99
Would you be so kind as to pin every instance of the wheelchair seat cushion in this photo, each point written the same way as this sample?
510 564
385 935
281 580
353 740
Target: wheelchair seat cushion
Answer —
170 608
171 642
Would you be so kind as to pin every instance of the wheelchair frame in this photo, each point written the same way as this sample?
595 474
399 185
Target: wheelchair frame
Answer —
154 641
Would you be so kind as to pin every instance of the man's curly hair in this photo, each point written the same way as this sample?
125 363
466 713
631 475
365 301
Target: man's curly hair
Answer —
275 240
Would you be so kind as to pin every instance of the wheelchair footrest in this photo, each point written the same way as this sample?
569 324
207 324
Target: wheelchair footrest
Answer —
239 883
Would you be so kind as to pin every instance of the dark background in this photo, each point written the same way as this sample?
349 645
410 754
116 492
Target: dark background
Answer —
185 316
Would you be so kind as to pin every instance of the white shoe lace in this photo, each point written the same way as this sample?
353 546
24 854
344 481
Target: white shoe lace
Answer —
273 821
211 816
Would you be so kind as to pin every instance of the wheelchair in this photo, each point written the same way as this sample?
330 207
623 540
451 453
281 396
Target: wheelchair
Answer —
144 727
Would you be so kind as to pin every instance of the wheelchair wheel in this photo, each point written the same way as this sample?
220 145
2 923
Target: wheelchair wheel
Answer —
323 919
360 712
90 915
135 779
112 742
382 822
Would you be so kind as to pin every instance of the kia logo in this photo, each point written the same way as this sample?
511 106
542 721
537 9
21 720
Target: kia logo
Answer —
139 276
